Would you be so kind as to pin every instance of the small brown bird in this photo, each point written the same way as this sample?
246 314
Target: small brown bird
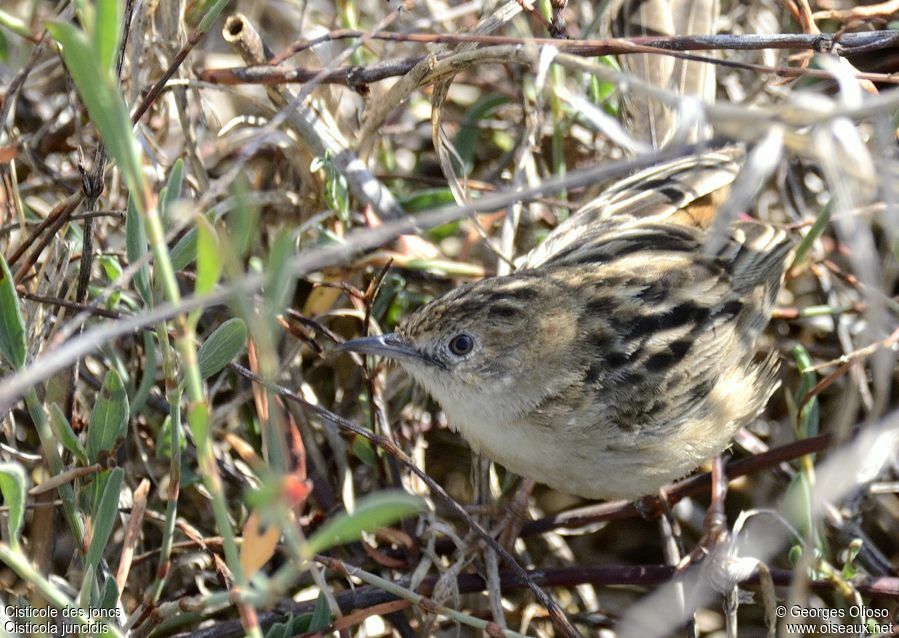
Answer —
621 354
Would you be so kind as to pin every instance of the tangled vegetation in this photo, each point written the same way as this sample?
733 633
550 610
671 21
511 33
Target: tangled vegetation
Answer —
199 200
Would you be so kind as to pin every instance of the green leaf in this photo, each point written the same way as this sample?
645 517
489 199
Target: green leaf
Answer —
66 434
109 419
321 615
149 366
208 9
109 597
797 505
111 266
107 32
372 512
243 218
174 184
601 92
291 627
136 248
88 584
364 451
209 257
426 199
164 441
279 284
807 420
467 137
850 568
817 229
105 512
12 327
445 267
13 484
100 93
185 251
171 193
222 346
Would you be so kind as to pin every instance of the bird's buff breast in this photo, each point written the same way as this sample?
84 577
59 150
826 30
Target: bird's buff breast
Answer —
597 462
591 464
578 452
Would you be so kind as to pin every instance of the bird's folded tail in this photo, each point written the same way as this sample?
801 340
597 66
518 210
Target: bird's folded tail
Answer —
759 253
758 256
682 192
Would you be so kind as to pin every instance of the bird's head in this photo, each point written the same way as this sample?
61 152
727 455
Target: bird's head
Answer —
496 346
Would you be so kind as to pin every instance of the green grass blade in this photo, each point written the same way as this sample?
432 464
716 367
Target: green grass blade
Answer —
222 346
106 511
66 434
107 32
136 248
109 419
12 485
12 327
372 512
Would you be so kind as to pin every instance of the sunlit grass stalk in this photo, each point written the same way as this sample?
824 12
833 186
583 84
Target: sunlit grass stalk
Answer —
198 410
198 418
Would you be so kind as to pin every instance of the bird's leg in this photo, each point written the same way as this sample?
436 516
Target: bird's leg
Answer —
651 506
516 514
715 523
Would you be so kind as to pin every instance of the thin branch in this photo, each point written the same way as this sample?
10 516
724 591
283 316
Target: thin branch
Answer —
843 44
357 76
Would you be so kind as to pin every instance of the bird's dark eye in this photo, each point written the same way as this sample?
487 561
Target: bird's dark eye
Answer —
461 344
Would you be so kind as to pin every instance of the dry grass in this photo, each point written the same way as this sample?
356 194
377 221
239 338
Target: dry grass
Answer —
320 211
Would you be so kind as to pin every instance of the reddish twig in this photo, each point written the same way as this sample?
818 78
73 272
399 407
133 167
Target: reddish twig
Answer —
881 10
357 76
843 45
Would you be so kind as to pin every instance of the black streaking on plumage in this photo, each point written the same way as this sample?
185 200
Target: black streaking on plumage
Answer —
618 357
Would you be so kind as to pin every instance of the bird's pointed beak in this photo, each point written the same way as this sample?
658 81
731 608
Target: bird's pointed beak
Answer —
389 345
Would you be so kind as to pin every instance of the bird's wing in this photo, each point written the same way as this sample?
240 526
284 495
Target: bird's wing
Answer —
675 330
673 192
